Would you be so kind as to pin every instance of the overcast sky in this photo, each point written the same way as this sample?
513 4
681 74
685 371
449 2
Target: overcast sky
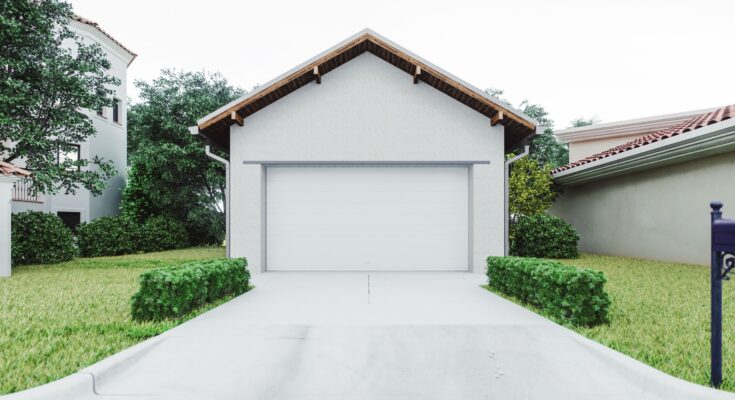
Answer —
612 60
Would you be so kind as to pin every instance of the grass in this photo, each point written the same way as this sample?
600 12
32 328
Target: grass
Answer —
660 315
57 319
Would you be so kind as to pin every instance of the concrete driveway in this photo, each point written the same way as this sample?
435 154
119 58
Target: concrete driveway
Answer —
377 336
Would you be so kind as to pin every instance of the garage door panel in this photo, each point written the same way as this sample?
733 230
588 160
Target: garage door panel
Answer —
368 218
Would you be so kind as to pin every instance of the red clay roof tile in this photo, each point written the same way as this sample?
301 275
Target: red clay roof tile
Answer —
694 123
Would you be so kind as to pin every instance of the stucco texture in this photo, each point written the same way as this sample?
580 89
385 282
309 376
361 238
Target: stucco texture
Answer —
659 214
366 111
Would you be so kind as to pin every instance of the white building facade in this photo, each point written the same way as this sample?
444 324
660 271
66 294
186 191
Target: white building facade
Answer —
109 143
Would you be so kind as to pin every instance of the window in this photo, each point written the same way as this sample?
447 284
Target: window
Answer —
101 110
70 219
69 152
116 110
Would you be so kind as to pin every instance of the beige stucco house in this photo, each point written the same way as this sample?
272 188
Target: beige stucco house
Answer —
642 188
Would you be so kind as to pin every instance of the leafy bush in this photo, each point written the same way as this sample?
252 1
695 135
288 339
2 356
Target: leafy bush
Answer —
162 233
108 236
571 294
543 235
40 238
175 291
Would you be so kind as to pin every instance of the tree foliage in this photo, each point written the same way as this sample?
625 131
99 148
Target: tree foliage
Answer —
545 148
530 189
49 80
170 175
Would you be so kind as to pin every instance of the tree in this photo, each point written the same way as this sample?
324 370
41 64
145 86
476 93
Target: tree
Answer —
49 80
580 122
170 174
545 148
530 189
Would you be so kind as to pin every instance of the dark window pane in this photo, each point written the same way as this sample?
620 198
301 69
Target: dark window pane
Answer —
116 110
70 219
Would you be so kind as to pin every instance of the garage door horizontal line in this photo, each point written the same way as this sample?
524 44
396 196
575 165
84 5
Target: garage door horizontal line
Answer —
368 163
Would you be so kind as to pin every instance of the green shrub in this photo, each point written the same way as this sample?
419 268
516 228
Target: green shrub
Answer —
543 235
40 238
175 291
571 294
162 233
108 236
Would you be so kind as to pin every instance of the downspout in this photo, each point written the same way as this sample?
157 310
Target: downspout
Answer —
208 152
507 178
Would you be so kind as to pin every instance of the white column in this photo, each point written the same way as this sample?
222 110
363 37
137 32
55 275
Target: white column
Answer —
6 196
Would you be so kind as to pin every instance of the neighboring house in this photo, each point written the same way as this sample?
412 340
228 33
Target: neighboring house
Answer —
589 140
649 197
366 157
109 143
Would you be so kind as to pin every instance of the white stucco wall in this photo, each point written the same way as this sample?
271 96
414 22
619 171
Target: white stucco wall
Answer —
366 110
660 214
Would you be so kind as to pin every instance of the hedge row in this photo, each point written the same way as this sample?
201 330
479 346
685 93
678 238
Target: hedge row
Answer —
174 291
40 238
112 236
571 294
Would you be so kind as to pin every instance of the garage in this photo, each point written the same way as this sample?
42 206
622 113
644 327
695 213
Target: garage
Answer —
365 158
367 218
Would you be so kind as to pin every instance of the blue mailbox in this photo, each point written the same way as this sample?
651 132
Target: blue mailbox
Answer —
723 262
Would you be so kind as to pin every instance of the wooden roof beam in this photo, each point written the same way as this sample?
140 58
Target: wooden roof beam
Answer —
416 74
497 119
236 118
317 75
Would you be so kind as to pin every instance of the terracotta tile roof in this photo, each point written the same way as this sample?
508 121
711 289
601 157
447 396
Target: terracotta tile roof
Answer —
97 26
694 123
8 169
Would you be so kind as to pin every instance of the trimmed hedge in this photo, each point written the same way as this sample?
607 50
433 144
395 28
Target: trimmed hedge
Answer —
175 291
162 233
573 295
114 236
40 238
108 236
543 235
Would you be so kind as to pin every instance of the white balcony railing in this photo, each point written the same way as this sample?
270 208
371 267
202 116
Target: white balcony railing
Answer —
22 192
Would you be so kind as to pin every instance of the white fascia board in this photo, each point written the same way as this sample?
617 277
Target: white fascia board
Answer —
710 140
637 126
344 42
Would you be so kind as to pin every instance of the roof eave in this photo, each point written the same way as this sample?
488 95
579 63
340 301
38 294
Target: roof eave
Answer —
710 140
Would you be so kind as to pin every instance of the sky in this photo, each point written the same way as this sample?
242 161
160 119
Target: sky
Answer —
609 60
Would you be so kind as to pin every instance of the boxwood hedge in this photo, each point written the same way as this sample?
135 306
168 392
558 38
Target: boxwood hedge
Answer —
40 238
571 294
174 291
543 235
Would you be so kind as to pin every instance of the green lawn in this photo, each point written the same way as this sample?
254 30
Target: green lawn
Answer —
57 319
660 315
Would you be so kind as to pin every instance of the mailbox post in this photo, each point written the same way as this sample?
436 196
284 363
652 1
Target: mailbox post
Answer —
723 261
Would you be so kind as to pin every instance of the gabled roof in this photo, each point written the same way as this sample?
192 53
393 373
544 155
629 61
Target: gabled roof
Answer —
688 125
518 126
95 25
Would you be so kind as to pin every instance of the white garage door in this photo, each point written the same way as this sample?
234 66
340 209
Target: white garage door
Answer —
367 218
